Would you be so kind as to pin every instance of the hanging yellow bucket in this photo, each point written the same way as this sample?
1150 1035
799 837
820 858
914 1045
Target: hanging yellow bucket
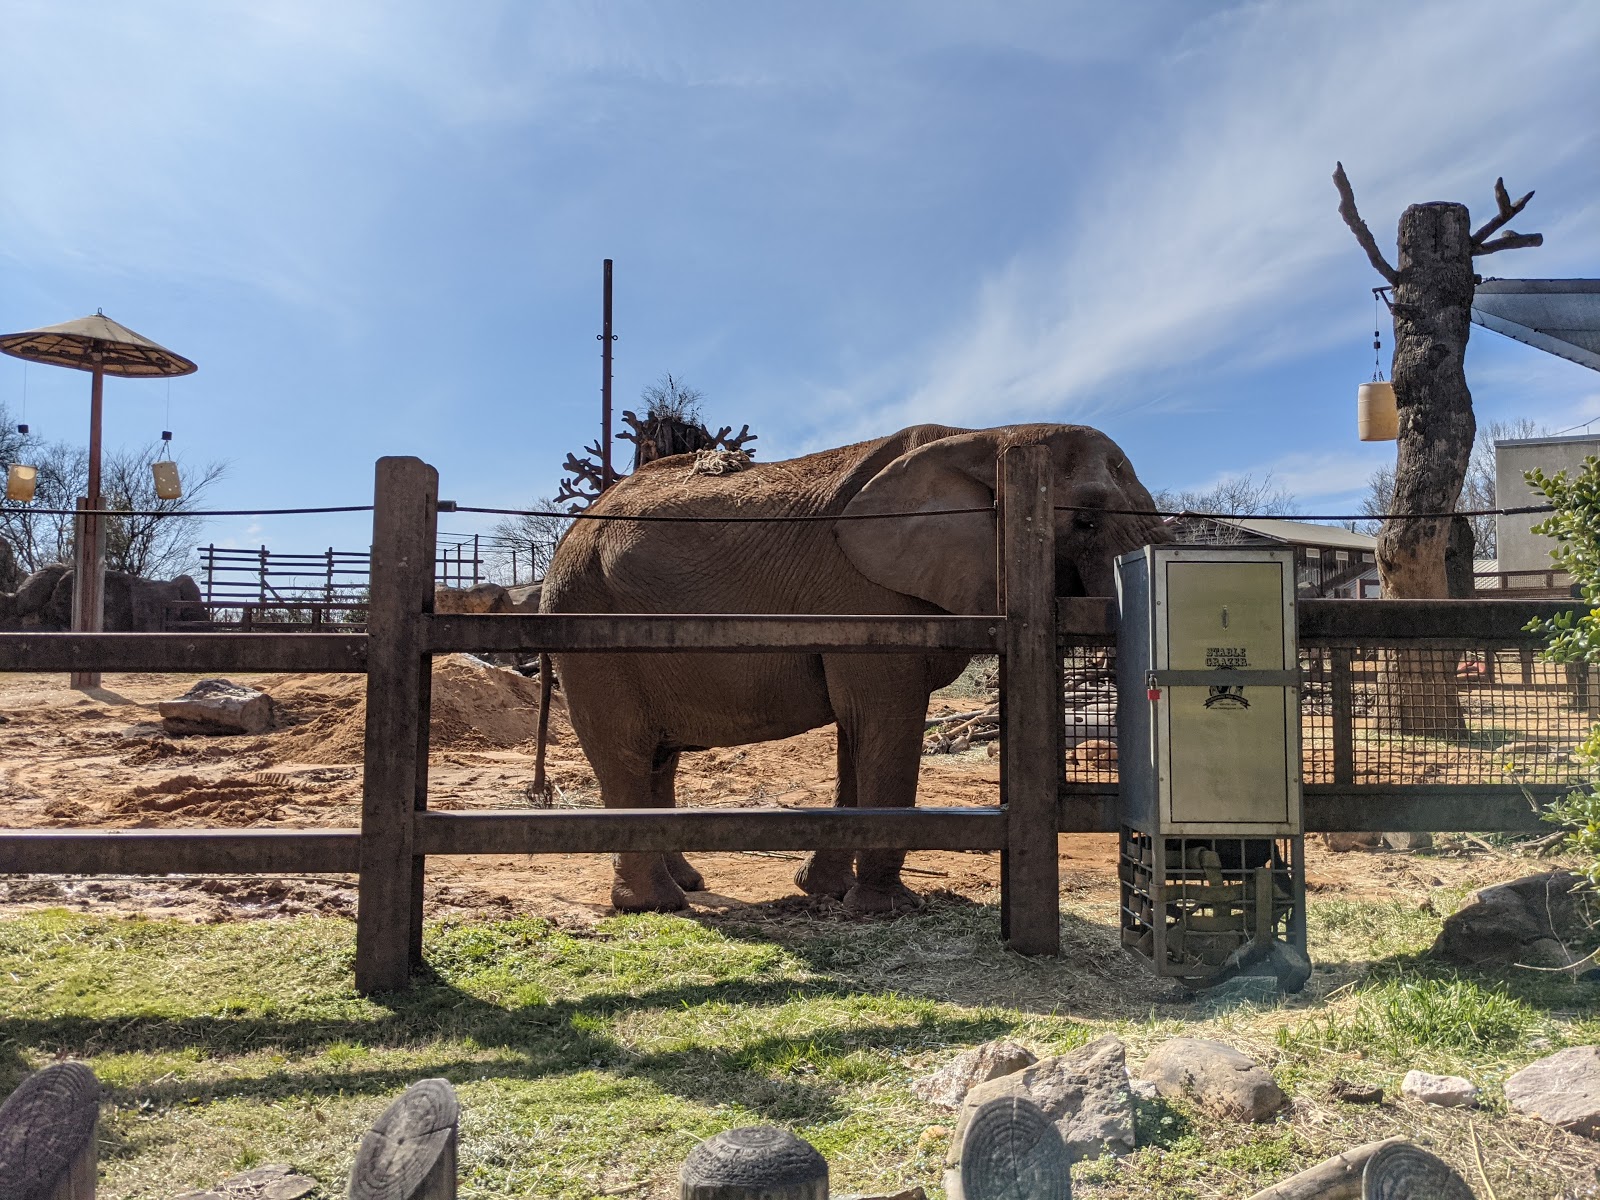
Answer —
168 486
20 482
1377 418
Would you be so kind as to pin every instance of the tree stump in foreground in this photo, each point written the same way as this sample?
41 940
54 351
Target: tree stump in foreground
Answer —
758 1162
1011 1151
1401 1171
47 1135
410 1151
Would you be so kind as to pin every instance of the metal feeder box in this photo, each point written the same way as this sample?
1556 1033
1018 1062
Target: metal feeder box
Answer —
1212 861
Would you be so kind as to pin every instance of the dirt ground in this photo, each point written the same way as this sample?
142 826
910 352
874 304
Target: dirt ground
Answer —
100 759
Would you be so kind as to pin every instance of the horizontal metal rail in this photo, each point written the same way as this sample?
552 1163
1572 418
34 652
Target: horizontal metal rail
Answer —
619 830
179 851
567 633
183 652
1358 808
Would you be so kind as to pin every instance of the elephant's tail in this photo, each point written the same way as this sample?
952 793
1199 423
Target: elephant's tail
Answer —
546 679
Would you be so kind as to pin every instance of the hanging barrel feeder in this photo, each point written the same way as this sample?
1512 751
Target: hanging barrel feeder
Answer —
20 483
1377 416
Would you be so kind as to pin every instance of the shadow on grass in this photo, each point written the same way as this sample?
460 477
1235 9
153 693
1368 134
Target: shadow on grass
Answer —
507 1042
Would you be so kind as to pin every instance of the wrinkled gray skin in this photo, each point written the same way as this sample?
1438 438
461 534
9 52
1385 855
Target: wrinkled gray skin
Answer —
635 713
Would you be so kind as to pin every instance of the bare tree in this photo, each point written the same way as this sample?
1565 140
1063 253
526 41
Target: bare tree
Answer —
532 539
1234 496
41 533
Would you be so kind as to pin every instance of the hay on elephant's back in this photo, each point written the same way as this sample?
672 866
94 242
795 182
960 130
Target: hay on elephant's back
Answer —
473 704
719 462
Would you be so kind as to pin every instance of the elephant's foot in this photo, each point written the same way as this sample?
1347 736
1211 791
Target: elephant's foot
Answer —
683 874
877 899
644 884
827 873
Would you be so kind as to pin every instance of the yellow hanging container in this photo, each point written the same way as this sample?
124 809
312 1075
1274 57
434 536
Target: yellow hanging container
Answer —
1377 418
168 486
20 482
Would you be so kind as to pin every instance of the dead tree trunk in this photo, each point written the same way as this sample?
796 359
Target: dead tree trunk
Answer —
1432 310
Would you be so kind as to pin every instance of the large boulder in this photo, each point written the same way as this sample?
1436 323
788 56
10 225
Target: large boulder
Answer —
1084 1094
1215 1077
1540 920
525 598
1562 1089
948 1086
34 592
132 604
217 706
480 598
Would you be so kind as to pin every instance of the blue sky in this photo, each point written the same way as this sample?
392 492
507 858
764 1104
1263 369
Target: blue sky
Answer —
378 227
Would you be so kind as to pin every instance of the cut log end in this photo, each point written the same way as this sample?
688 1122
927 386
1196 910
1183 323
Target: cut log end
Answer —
759 1162
410 1151
47 1133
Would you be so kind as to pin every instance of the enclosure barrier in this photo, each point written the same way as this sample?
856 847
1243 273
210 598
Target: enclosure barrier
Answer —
1034 638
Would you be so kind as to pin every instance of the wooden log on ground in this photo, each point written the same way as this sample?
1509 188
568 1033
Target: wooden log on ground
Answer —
758 1162
1401 1171
1011 1151
1338 1178
47 1135
410 1152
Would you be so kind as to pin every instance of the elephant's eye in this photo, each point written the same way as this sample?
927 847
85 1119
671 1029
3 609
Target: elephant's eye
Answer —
1085 522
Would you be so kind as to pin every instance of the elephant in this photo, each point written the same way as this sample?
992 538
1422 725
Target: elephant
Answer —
635 713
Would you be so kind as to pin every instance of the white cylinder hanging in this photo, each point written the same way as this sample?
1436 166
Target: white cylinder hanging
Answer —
20 483
168 487
1377 417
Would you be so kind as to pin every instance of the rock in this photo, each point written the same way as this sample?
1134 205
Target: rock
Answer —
1408 841
132 604
1084 1094
272 1182
479 598
1505 923
1562 1089
1355 1093
34 592
1444 1091
1094 752
949 1085
1343 843
219 707
1217 1078
525 599
1143 1089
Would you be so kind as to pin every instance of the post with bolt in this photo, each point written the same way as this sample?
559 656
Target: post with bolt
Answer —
1030 760
399 678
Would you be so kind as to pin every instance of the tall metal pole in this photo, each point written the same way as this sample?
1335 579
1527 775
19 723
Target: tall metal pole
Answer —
606 338
88 608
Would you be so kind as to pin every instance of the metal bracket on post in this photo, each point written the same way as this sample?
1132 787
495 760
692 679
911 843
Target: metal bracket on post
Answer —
399 677
1031 718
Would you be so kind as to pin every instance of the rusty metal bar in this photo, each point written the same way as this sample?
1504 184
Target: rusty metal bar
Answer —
566 633
183 652
618 830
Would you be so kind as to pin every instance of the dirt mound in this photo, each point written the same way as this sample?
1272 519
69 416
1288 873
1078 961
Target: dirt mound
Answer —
233 800
474 705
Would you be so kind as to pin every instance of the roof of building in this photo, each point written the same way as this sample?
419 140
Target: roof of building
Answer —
1296 533
1559 316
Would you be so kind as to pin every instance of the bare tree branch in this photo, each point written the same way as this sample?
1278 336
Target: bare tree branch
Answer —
1352 218
1507 210
1509 240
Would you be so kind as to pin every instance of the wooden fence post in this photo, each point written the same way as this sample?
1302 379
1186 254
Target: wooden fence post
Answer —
410 1151
47 1135
759 1162
399 677
1030 706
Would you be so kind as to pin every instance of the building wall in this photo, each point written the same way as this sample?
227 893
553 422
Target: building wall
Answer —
1518 547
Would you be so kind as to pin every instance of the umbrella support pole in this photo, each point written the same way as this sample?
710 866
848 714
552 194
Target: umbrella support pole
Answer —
88 583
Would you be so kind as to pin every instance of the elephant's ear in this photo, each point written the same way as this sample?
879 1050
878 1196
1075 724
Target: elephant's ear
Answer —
946 560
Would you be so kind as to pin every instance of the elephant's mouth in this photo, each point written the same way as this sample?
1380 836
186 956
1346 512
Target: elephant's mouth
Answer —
1068 581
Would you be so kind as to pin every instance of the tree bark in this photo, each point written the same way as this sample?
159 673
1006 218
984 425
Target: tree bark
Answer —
1432 320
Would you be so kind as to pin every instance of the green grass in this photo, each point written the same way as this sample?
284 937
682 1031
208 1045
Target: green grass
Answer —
589 1063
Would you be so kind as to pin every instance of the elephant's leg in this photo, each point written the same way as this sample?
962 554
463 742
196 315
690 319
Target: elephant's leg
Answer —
881 706
663 780
832 872
641 882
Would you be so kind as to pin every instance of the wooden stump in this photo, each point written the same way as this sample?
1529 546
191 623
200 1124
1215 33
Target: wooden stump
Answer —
758 1162
410 1152
47 1135
1401 1171
1012 1151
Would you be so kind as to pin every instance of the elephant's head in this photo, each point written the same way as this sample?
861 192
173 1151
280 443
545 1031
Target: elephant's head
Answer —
950 560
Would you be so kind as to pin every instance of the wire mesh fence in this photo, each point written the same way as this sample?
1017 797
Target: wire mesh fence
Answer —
1382 714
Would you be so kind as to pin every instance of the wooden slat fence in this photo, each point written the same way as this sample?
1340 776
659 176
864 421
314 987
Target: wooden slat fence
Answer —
397 832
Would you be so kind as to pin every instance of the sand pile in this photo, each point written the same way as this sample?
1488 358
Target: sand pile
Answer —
230 801
474 705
